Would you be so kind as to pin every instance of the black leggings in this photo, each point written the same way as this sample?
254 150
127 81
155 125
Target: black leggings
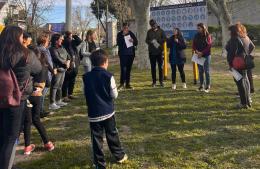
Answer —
69 82
10 124
181 70
32 115
126 62
153 60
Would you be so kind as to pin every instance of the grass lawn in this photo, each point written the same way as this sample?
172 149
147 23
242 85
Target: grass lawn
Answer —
162 129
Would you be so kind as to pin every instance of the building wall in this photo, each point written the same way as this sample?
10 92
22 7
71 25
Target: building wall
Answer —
245 11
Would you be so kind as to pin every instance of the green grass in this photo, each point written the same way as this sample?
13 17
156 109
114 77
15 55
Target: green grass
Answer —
161 129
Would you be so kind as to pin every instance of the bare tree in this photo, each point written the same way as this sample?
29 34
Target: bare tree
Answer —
140 10
221 11
82 18
33 13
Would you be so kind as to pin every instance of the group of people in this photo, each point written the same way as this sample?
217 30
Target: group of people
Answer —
54 64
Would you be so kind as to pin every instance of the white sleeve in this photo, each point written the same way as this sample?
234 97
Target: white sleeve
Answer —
113 91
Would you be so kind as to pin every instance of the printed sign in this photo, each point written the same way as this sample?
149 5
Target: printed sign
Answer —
183 16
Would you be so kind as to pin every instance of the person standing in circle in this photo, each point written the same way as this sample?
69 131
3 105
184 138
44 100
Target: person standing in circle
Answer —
155 39
126 54
201 45
177 44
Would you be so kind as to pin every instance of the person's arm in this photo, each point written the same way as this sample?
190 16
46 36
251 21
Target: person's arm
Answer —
113 88
85 49
251 47
181 44
56 57
232 47
207 49
35 64
134 39
148 40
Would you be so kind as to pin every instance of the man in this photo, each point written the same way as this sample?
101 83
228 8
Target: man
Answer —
155 39
126 41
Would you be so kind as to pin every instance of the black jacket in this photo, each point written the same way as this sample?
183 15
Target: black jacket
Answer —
235 48
122 48
159 36
177 54
24 70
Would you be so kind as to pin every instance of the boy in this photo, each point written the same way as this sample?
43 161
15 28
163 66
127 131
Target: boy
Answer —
100 90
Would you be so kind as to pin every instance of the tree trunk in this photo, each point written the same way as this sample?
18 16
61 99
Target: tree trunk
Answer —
141 12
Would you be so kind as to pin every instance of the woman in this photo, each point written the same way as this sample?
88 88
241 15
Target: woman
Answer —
86 48
33 115
201 46
177 44
61 61
13 55
43 44
70 43
126 55
236 46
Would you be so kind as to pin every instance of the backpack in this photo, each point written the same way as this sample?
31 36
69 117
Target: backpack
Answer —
10 95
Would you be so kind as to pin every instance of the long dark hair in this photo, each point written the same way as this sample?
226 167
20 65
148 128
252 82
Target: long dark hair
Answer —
233 31
10 47
204 28
179 33
54 39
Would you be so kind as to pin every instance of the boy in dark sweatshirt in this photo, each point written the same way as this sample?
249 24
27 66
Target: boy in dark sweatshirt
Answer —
100 90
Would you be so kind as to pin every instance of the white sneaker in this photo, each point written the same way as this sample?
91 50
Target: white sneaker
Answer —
174 87
61 103
124 159
54 106
184 85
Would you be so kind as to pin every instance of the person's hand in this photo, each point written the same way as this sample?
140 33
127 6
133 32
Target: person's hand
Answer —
176 40
68 64
55 71
200 54
131 40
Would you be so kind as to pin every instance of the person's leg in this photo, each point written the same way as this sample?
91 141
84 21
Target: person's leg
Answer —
160 67
242 90
113 138
122 69
59 86
65 85
11 122
72 82
36 119
12 156
207 71
173 66
153 67
251 81
97 131
182 73
201 75
27 125
55 84
129 65
44 94
247 89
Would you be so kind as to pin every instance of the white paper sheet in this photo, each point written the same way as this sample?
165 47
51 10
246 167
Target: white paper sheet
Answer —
198 60
236 74
155 43
127 41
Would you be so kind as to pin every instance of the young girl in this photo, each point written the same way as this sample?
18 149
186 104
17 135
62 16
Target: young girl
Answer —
177 44
202 43
34 113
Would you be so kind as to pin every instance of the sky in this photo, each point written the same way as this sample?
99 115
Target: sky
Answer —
57 14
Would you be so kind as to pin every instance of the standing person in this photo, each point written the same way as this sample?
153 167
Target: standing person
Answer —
155 39
43 45
201 45
71 73
177 44
236 47
14 56
100 90
126 55
33 116
61 61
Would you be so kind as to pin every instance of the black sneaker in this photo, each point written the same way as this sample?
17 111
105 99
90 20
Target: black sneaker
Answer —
162 84
129 87
201 89
120 87
44 114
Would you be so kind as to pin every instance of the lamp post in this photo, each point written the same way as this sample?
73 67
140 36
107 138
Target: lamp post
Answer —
68 15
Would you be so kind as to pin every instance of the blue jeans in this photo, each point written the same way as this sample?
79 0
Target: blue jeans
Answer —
205 70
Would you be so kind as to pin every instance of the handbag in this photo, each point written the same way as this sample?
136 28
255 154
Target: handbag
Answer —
243 63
